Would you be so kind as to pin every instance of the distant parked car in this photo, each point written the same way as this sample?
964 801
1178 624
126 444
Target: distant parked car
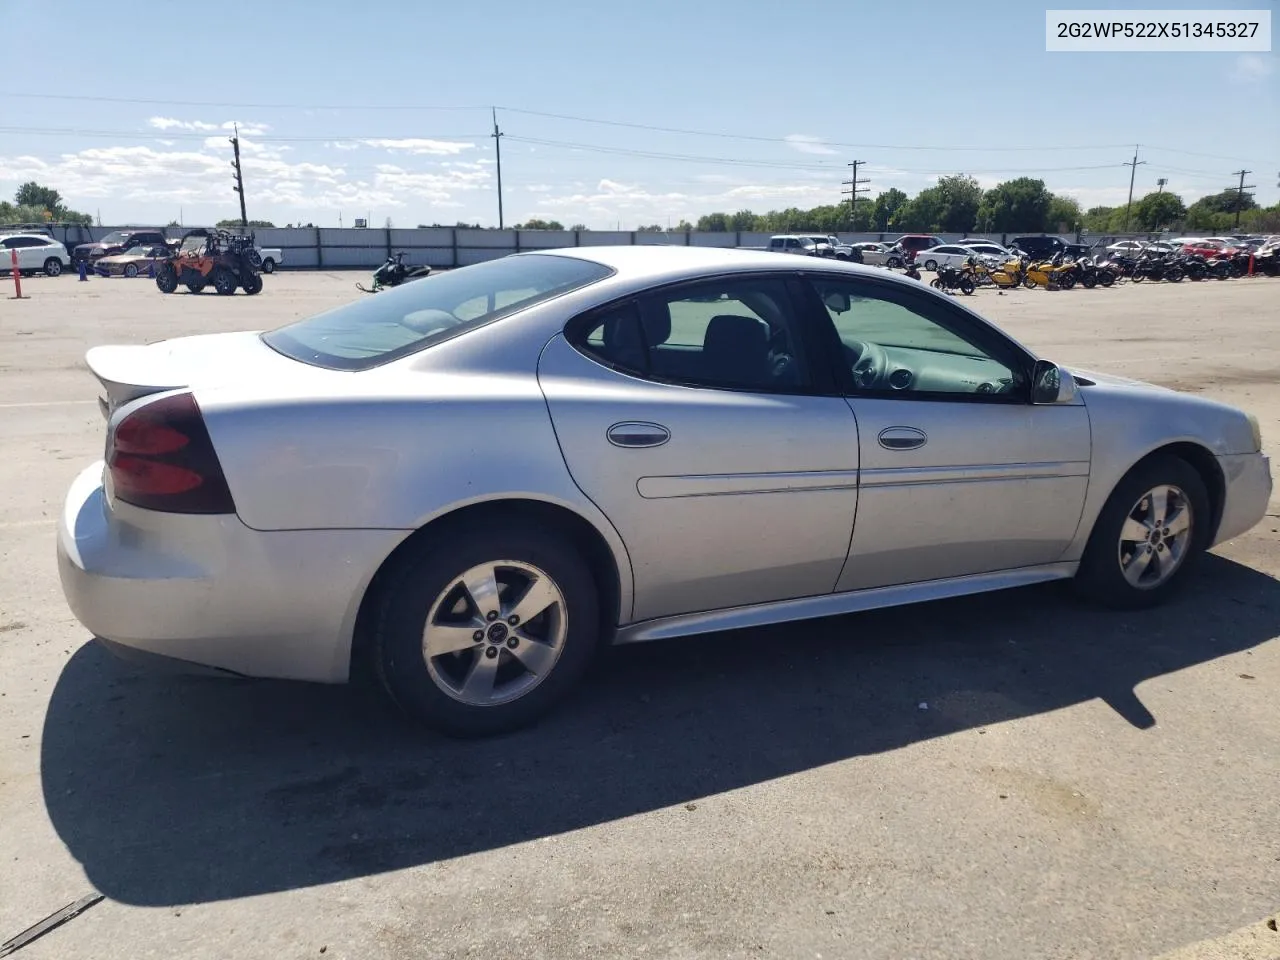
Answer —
989 249
1127 247
800 245
36 253
946 255
911 244
117 242
132 262
878 254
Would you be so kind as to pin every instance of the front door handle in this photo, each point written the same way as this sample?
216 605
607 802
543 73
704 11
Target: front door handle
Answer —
637 434
902 438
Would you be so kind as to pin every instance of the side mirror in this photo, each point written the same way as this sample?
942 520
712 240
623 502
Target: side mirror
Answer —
1050 383
837 301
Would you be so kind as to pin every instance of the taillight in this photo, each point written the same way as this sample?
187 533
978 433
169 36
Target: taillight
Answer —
161 458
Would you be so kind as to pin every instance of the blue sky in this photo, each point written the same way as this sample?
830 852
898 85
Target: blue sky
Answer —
383 110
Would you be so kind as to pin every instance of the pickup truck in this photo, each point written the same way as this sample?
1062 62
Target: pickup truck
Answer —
272 257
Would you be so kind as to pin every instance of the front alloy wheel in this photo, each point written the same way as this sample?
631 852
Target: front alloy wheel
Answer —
1155 537
1148 534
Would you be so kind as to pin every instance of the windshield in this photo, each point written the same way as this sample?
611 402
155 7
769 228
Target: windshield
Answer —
421 313
116 236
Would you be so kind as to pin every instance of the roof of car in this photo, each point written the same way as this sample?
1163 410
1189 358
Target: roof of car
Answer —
678 260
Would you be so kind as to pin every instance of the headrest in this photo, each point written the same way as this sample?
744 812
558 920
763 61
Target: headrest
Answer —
729 330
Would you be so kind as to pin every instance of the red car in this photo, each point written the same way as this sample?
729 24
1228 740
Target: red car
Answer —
1207 248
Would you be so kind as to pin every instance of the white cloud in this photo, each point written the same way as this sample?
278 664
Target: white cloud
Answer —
807 144
1249 68
169 123
418 146
247 127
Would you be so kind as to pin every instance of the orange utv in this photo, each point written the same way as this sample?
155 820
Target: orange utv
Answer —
212 257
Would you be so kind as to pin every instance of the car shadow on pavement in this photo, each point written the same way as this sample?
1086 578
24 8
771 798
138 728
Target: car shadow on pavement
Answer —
181 790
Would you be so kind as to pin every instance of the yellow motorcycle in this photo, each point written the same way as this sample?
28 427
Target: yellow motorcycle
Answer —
1050 274
1006 276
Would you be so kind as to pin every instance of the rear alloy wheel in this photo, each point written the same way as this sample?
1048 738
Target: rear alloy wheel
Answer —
931 264
486 634
224 281
252 283
53 267
1152 528
130 270
268 265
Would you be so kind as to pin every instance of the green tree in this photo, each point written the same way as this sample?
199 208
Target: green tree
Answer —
1064 214
537 224
957 200
651 228
713 223
235 224
885 207
48 205
1021 204
1098 219
1156 211
32 194
743 220
579 227
1218 211
684 226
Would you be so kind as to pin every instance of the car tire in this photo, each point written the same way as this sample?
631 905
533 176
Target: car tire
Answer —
224 281
252 283
268 265
130 270
931 264
894 263
53 267
1112 570
167 279
426 589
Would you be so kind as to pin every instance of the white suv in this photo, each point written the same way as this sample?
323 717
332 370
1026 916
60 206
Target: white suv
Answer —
36 252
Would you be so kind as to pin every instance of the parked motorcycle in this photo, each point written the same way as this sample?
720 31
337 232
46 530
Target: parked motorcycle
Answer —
912 270
1050 274
1157 268
393 273
1004 277
955 278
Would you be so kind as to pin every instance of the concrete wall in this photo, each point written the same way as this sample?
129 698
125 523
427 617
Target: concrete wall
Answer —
333 248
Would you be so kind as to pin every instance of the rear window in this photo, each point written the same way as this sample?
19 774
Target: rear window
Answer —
395 323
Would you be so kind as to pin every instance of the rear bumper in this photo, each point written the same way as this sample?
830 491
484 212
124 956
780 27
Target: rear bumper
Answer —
1248 491
212 592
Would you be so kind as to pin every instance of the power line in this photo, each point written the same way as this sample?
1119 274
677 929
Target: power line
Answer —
205 135
761 139
228 103
777 164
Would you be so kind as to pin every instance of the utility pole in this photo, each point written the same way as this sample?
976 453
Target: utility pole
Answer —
1240 194
1133 170
239 187
497 148
854 189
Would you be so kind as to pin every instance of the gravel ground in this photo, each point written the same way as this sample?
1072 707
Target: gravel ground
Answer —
1083 783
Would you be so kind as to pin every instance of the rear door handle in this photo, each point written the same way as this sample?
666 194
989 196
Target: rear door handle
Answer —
902 438
638 434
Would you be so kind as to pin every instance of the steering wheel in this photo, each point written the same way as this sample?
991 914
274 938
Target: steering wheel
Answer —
871 365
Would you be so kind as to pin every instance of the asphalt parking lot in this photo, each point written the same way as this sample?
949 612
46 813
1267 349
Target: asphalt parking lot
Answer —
1010 776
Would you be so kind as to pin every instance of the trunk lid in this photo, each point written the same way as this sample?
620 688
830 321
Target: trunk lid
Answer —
129 372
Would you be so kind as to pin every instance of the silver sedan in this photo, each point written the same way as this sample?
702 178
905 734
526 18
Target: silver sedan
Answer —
474 481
